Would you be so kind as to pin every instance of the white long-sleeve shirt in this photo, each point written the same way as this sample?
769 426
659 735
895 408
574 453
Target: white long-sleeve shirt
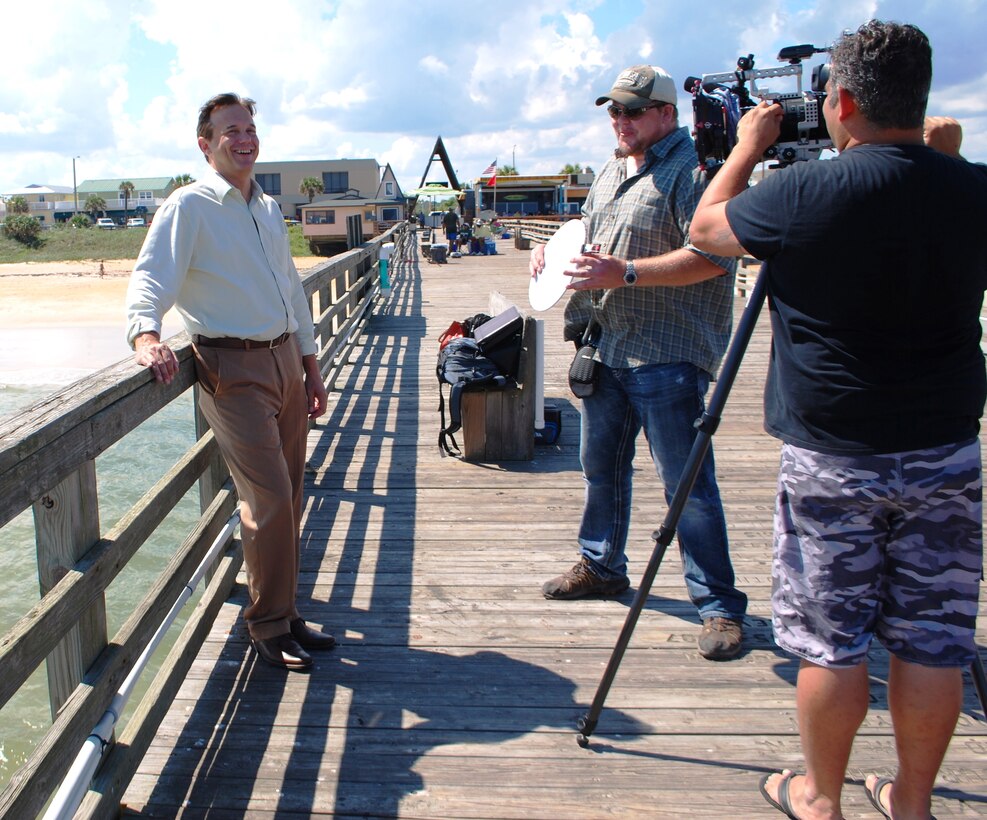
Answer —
225 264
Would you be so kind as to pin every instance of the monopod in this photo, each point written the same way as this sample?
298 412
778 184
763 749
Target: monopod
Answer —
663 536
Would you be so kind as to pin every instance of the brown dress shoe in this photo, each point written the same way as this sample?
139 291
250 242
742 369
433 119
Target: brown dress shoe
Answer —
282 651
309 638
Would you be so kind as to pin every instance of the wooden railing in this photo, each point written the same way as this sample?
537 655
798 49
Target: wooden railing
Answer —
541 230
537 230
48 464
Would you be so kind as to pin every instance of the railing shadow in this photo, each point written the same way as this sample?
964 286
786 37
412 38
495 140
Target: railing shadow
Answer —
362 506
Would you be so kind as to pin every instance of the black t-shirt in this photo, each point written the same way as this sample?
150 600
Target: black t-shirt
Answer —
877 265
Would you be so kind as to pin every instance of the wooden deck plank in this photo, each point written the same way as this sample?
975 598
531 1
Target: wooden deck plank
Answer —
456 686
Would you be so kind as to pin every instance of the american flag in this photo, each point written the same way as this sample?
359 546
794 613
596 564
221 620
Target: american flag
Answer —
490 169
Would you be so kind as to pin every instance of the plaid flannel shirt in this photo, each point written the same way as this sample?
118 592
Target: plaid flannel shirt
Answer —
646 215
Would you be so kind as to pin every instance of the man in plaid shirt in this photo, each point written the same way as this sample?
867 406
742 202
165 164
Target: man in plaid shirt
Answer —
663 310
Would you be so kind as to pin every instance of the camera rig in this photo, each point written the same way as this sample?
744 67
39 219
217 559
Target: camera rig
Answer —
720 100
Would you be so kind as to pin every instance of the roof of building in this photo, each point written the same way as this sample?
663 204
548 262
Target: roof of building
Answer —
98 186
348 200
35 188
310 161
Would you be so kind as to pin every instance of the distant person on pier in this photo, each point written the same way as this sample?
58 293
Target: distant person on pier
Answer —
218 250
664 313
876 272
450 222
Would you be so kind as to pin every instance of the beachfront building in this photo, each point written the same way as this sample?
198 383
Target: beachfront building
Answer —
350 188
537 195
365 177
148 195
49 203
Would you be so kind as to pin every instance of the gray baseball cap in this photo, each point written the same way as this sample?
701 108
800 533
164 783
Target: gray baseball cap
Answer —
641 85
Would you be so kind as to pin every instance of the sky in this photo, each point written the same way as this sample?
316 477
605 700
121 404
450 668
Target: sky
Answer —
117 85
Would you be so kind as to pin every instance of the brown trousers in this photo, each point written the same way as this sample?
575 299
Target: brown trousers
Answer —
256 405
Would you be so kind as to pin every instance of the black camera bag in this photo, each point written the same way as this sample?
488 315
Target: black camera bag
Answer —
584 372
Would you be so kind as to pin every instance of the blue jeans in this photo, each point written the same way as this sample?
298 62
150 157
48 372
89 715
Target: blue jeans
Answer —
665 400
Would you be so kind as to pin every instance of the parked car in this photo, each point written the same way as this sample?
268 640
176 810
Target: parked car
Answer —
105 222
136 222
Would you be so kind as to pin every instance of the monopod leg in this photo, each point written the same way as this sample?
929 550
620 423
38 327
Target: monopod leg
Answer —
706 427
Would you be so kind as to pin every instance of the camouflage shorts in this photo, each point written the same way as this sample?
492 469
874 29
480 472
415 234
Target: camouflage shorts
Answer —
887 545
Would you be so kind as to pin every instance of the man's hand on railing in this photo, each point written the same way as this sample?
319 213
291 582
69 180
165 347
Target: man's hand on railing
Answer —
150 351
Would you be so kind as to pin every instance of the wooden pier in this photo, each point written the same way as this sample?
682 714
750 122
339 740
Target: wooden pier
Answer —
456 687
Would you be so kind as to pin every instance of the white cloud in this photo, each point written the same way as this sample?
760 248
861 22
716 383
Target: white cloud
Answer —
433 65
347 78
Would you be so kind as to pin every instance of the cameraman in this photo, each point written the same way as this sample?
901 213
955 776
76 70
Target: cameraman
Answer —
876 388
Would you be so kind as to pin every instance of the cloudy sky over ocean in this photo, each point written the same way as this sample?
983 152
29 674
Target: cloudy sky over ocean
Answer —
118 84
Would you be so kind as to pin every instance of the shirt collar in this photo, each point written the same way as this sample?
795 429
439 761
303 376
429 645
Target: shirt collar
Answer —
220 188
669 142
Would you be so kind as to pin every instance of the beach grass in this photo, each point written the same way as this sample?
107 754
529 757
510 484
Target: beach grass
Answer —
65 244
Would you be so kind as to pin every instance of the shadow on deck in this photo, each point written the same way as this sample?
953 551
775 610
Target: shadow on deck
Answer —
456 687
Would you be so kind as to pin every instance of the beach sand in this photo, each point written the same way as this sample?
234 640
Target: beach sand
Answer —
60 320
72 294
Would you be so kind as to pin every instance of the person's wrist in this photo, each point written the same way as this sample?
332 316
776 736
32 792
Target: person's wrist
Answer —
630 274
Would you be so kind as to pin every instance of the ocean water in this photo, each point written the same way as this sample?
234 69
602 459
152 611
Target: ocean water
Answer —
35 362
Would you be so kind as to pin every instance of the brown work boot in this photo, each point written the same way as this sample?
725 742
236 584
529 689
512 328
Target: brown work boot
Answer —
721 638
581 581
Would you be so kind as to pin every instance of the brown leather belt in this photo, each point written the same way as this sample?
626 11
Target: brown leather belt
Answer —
233 343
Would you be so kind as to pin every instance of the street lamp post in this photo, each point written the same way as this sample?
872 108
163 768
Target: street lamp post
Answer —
75 190
514 158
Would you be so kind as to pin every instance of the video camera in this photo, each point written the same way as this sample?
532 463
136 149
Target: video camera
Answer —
720 100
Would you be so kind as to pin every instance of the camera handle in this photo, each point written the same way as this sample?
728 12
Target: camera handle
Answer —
663 536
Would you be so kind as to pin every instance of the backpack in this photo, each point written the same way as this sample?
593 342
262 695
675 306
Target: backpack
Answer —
464 366
464 328
485 356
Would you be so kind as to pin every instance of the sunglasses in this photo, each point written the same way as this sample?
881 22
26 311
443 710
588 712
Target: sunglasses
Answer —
631 113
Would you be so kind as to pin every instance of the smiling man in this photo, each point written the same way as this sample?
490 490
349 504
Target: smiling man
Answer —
218 251
663 310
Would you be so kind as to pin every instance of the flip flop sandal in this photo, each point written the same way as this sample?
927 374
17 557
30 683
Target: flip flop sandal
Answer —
874 794
783 803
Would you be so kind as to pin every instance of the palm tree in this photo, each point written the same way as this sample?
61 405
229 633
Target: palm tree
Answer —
18 205
310 187
183 179
127 189
95 204
507 171
572 169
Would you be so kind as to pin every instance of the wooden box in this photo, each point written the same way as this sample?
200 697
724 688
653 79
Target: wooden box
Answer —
499 425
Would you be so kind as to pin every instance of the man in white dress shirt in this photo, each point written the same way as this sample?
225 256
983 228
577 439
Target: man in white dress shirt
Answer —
218 251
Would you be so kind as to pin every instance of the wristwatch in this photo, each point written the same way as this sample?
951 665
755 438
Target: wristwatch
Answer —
630 275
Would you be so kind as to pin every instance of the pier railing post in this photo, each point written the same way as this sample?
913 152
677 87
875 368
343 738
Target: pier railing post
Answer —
215 475
66 522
